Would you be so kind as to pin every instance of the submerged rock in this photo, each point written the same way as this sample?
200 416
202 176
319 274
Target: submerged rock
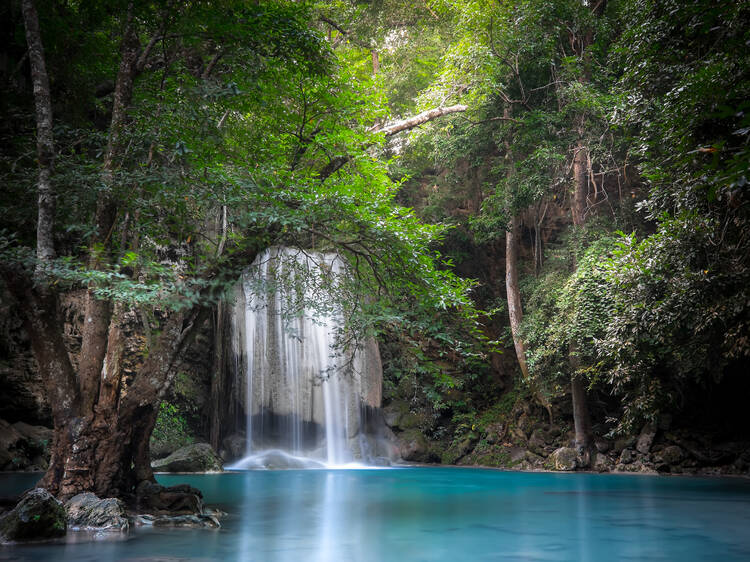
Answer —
199 457
86 511
39 515
564 458
201 520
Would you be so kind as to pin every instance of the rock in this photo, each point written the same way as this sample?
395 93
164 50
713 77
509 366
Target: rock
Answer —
202 520
565 458
516 434
602 463
37 516
525 424
517 454
538 442
174 500
393 412
494 431
36 436
671 455
199 457
233 447
623 443
646 439
24 446
627 456
88 512
553 431
413 446
381 461
602 445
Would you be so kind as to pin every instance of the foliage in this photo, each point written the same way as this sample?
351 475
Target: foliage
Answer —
171 427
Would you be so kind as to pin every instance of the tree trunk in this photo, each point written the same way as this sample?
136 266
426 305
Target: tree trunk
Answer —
98 311
515 312
375 62
45 244
218 386
581 418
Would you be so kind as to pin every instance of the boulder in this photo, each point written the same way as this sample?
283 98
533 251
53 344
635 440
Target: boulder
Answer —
602 463
174 500
24 446
517 454
623 443
538 442
38 515
602 445
86 511
646 439
671 455
413 446
627 456
198 457
495 432
564 458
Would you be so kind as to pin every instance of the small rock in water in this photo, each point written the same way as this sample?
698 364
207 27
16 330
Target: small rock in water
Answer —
39 515
88 512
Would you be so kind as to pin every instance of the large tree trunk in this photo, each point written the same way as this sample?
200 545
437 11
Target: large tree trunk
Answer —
98 311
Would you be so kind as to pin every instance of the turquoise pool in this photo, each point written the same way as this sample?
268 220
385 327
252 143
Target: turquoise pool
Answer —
428 514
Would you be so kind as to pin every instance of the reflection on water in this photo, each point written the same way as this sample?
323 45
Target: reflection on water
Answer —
440 514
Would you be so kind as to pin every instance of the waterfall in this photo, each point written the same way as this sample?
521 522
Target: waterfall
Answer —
306 397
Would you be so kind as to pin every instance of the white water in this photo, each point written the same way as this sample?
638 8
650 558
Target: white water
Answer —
303 394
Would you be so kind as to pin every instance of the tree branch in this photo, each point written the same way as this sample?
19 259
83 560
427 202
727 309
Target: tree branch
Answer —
417 120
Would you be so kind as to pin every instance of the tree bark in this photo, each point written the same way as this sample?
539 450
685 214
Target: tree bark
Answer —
418 119
45 145
515 312
217 378
97 311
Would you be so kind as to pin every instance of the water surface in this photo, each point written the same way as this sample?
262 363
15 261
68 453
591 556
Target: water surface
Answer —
428 514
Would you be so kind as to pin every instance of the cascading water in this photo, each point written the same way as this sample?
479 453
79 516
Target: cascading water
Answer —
306 400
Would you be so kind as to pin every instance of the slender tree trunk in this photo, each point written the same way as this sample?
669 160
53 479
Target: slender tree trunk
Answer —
581 417
45 244
217 378
375 62
515 312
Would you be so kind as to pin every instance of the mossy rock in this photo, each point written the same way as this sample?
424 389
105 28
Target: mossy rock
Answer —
199 457
39 515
